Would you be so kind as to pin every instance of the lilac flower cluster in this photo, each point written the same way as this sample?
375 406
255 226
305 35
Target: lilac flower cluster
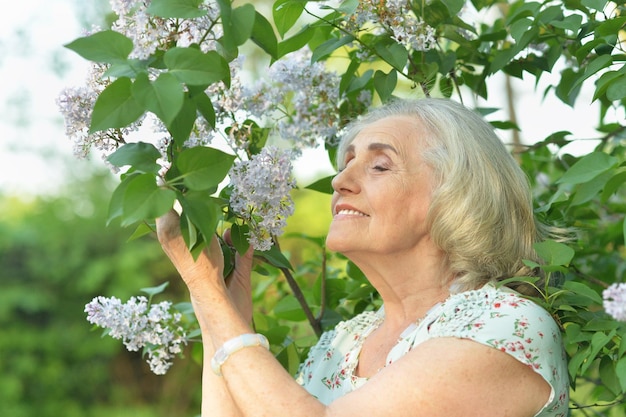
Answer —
396 18
615 301
76 105
260 194
141 325
151 33
304 99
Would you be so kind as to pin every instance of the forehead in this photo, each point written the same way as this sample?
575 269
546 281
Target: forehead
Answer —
403 133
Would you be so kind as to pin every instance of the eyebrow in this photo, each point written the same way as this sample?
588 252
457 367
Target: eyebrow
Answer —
375 146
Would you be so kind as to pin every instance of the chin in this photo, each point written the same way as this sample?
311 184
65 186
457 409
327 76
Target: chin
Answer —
335 244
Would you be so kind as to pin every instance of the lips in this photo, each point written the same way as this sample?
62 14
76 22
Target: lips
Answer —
348 211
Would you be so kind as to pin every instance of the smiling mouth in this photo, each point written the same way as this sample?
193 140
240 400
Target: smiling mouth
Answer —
352 213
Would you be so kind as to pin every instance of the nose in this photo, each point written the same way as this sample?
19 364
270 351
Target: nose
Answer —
345 182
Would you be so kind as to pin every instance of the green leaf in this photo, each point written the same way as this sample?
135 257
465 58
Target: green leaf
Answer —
348 7
205 107
190 235
193 67
288 308
152 291
617 90
297 41
263 35
285 14
588 167
289 358
608 376
598 341
107 46
140 155
202 210
610 27
385 84
554 253
394 54
330 46
183 123
577 361
588 190
239 236
615 183
228 39
620 370
163 97
243 20
274 257
176 9
571 22
323 185
598 5
115 107
141 230
116 203
435 12
607 80
454 6
203 168
583 290
564 90
131 68
593 67
624 230
144 200
519 28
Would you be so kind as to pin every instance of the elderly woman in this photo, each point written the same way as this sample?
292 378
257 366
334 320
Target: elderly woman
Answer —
434 210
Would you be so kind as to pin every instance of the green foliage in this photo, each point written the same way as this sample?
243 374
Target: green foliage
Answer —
55 257
523 40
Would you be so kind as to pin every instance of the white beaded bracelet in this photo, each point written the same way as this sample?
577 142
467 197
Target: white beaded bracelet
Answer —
233 345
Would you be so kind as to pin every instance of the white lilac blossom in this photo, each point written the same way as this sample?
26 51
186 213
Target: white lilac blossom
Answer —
76 105
155 328
615 301
396 18
261 196
151 33
304 98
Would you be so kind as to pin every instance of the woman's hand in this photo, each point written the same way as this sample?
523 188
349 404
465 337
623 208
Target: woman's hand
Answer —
206 272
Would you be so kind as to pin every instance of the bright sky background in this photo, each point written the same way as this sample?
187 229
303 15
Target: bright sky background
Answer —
35 155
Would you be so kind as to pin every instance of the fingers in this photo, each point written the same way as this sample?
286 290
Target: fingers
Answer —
168 227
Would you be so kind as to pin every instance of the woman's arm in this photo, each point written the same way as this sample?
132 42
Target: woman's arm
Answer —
216 399
441 377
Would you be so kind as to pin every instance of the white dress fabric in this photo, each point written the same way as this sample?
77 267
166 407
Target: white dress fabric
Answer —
495 317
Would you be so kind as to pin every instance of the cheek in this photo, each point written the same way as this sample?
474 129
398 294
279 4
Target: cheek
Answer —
333 201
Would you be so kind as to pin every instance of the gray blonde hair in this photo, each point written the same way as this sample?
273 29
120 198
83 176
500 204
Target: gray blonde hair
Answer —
481 214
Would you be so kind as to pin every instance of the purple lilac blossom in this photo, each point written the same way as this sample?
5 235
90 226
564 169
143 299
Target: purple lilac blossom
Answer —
261 194
615 301
139 324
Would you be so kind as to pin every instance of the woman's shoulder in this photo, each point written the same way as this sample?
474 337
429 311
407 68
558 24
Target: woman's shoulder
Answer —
503 319
507 321
472 310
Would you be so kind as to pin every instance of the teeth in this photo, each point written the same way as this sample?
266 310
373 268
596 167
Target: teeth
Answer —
351 212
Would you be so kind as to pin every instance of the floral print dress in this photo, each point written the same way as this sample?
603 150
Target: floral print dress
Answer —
496 317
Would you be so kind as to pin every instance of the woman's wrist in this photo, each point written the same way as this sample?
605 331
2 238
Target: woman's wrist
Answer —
234 345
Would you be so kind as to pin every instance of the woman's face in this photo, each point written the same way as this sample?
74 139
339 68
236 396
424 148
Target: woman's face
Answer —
382 196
